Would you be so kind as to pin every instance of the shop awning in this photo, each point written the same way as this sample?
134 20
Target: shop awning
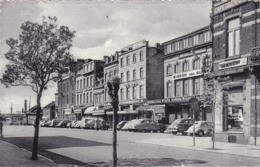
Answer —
98 112
78 110
233 84
123 112
67 111
90 110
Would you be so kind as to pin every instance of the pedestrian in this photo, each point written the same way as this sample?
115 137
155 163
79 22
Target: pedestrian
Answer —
97 124
103 125
1 129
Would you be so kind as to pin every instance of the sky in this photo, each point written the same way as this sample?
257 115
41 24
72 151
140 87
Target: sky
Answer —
102 28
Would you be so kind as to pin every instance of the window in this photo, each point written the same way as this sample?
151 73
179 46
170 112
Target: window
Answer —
122 77
177 88
233 37
127 60
115 73
84 98
128 76
90 81
81 84
87 98
176 68
77 99
134 74
185 43
207 36
67 99
134 58
105 94
90 97
77 84
196 39
185 87
177 46
190 41
141 91
72 98
185 66
207 61
122 94
141 55
181 44
80 98
196 86
87 81
134 92
172 47
196 64
121 62
141 72
201 38
128 93
169 69
84 83
110 74
169 89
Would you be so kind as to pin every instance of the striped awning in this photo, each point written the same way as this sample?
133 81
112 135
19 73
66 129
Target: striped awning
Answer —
123 112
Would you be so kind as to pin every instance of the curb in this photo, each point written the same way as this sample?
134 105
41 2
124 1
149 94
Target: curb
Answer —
48 159
197 149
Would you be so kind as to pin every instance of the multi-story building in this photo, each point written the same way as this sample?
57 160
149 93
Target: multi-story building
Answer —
141 71
236 43
65 98
183 76
110 70
89 77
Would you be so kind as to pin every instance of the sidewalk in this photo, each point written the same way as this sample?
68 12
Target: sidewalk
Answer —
11 155
205 144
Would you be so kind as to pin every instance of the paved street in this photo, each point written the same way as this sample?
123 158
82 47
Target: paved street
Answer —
90 147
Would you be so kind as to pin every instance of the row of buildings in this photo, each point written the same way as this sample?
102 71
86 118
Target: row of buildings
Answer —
218 65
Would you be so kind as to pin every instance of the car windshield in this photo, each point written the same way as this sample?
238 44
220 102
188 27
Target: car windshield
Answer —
177 121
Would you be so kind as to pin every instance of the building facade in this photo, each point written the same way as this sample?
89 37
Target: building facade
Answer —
184 58
48 111
236 32
140 69
89 77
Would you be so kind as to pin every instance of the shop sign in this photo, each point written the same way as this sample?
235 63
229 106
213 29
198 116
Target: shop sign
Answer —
155 101
227 5
233 63
131 101
188 74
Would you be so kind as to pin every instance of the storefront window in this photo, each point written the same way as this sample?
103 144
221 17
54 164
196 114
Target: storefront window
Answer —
233 109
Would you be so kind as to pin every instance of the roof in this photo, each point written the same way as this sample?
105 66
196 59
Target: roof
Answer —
50 105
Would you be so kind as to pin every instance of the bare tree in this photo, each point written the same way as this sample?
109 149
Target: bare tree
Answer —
113 87
38 57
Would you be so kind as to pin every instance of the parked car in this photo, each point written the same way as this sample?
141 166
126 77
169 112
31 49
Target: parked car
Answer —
91 123
120 125
63 124
180 126
128 125
45 123
147 125
201 128
55 122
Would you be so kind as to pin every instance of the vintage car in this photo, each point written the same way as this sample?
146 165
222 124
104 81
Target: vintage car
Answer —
120 125
201 128
180 126
146 125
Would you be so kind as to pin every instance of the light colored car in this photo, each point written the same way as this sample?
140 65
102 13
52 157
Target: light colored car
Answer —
201 128
91 123
146 125
128 125
180 126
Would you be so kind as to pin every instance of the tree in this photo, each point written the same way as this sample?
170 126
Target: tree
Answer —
38 57
113 87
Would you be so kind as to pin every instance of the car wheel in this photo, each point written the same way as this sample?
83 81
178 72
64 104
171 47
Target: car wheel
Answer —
174 133
200 133
161 130
183 133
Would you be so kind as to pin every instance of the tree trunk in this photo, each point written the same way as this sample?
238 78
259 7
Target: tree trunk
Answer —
115 136
36 126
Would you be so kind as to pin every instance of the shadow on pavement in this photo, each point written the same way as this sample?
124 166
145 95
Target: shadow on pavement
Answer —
52 142
153 162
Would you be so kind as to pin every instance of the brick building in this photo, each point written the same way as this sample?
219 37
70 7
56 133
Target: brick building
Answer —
184 58
236 32
141 71
65 98
89 78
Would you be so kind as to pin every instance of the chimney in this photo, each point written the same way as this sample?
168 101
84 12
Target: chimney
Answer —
25 106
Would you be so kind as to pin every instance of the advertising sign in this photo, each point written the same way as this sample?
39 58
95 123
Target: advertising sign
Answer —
227 5
233 63
188 74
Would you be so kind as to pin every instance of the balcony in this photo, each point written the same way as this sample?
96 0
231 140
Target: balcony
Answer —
254 58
